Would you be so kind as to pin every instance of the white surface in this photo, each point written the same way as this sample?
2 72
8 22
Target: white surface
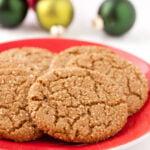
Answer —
137 41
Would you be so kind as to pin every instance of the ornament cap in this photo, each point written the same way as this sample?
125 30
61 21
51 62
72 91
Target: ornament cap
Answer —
57 30
98 23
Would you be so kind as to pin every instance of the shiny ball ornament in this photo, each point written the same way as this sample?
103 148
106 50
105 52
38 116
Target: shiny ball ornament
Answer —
54 13
32 3
118 16
12 12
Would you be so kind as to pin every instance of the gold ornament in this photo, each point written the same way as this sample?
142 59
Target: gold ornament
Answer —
54 13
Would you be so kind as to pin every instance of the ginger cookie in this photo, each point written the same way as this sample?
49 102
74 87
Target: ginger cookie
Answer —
33 59
64 57
121 71
77 105
15 121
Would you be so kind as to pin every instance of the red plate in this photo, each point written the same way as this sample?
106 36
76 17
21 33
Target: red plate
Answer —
137 126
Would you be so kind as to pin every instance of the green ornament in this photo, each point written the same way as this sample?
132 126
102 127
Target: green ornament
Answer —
12 12
118 16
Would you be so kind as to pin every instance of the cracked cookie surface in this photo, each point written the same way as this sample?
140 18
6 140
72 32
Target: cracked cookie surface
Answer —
15 121
33 59
77 105
123 72
64 57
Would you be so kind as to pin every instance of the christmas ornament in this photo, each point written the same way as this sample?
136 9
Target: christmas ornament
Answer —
12 12
32 3
116 17
54 15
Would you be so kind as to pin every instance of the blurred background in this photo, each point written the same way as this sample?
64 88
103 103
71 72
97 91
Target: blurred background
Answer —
136 41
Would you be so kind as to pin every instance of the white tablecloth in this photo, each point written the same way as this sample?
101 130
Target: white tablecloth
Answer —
137 41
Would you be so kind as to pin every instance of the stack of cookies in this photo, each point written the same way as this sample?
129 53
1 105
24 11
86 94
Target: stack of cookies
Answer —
83 95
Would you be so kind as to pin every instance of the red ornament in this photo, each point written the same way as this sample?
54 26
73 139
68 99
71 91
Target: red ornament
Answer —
32 3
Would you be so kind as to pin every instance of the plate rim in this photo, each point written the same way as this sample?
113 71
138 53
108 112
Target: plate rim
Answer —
132 143
75 40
